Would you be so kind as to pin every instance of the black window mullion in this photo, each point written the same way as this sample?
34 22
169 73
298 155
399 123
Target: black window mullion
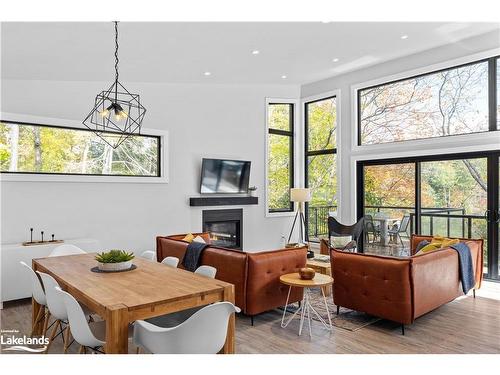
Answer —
418 199
281 132
322 152
492 93
492 216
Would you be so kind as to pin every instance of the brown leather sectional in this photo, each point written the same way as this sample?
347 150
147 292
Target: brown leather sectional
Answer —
255 276
401 289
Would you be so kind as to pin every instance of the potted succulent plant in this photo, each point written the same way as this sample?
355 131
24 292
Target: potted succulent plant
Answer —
114 260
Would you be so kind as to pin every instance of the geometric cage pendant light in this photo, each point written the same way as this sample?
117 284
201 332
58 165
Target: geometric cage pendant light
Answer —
117 114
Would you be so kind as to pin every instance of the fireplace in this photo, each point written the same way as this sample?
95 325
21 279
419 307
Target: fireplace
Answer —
225 227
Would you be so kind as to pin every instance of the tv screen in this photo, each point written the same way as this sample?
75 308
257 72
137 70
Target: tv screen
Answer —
224 176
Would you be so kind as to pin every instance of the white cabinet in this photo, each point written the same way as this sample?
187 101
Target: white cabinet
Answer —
16 282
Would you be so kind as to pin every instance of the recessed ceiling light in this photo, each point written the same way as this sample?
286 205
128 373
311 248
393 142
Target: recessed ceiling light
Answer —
207 73
255 52
283 77
404 36
335 60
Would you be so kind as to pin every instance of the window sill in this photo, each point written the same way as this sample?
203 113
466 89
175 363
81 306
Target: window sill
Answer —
280 214
18 177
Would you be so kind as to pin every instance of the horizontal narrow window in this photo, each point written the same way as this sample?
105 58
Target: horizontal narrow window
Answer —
280 158
31 148
438 104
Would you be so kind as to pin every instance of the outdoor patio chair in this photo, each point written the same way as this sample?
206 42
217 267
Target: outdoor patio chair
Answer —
397 230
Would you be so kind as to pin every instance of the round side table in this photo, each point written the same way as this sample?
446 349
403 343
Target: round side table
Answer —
294 280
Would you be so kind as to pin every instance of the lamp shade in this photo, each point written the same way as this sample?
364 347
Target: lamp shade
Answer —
300 194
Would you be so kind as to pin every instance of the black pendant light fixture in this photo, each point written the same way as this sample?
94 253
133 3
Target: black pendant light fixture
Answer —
117 114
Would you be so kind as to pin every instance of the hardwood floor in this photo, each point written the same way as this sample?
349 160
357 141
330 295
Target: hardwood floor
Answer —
466 325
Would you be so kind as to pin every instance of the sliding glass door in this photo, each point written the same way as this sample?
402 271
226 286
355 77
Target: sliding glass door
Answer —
447 195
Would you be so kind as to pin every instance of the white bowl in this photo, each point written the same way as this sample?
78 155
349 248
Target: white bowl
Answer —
115 266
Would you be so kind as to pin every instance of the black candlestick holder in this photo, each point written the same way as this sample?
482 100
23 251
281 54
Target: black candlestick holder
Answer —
42 241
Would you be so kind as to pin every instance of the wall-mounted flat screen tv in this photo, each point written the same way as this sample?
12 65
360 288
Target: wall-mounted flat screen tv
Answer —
224 176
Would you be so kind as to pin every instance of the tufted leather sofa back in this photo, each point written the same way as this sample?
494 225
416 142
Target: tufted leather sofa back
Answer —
377 285
264 288
401 289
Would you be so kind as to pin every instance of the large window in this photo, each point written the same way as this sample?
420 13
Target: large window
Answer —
280 158
32 148
447 102
446 195
320 166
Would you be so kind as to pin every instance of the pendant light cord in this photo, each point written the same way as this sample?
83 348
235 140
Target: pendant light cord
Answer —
116 60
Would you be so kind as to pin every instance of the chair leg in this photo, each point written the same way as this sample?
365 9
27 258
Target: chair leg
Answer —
46 322
403 329
52 335
251 319
38 318
338 309
474 293
66 339
402 244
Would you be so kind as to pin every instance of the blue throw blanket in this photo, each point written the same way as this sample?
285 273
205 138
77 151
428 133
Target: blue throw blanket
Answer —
465 264
193 254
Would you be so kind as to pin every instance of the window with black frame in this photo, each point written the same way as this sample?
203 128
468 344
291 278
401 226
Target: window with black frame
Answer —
44 149
443 103
321 164
280 158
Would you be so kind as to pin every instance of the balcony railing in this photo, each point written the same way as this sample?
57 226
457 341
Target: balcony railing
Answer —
318 219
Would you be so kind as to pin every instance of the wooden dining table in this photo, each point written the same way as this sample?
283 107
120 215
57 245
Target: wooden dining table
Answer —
120 298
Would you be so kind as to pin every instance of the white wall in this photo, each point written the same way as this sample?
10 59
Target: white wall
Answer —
349 152
225 121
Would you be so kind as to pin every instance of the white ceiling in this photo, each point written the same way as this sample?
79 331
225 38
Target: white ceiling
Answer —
182 52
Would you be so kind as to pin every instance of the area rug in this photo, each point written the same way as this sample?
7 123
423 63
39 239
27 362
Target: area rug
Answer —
347 319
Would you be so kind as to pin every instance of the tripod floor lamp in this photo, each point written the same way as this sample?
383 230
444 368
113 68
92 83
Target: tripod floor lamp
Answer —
300 196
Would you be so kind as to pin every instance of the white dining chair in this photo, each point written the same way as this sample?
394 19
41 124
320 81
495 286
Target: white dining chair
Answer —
149 255
39 296
203 333
170 261
57 309
66 249
80 328
87 334
207 271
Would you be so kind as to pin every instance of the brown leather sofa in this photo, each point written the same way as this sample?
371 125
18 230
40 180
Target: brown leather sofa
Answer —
401 289
255 276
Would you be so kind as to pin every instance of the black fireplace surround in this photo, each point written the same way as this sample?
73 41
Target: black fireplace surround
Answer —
225 227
